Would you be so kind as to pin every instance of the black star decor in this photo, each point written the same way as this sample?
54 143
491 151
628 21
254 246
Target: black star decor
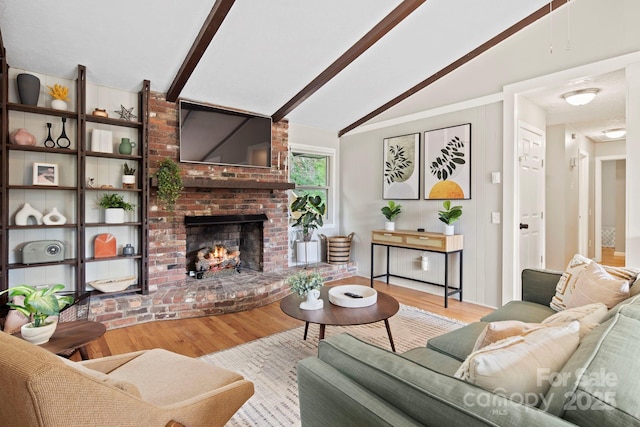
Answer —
126 113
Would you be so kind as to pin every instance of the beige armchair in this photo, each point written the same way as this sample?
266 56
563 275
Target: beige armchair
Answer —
146 388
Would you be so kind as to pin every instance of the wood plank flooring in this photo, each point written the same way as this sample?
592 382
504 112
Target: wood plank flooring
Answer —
199 336
608 258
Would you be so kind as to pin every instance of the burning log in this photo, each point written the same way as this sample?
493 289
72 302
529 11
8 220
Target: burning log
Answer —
216 259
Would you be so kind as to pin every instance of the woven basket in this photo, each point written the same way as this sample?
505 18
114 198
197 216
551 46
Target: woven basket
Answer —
338 248
113 285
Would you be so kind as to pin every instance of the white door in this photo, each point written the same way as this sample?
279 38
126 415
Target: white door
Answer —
531 196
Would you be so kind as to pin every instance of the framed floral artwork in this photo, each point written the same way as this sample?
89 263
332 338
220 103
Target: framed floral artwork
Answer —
447 163
401 167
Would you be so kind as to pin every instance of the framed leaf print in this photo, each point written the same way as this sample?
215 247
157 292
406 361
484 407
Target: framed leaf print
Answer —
401 167
447 163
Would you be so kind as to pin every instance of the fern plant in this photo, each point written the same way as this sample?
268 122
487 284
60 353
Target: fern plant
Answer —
444 165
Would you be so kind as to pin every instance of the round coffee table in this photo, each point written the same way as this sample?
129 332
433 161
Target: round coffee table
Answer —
73 335
385 307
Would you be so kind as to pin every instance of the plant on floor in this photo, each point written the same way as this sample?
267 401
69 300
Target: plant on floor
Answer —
304 281
39 303
449 214
169 182
114 201
391 211
310 210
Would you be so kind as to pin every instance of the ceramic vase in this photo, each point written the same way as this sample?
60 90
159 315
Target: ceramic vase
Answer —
27 211
114 216
313 301
389 225
126 146
59 104
39 335
54 218
22 137
448 230
28 89
128 181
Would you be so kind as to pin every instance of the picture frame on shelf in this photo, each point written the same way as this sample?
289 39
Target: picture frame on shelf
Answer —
447 163
45 174
401 167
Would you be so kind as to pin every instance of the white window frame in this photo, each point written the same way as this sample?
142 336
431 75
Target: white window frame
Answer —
330 153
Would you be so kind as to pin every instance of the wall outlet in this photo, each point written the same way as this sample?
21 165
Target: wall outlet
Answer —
495 217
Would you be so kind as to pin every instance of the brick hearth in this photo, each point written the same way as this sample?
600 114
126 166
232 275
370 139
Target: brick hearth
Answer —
196 298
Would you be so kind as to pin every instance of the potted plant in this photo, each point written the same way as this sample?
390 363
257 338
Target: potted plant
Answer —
169 182
308 211
390 212
128 176
307 284
449 215
115 207
38 305
60 95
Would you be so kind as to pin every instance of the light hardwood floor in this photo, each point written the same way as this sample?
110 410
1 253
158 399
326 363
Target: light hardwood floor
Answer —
199 336
608 258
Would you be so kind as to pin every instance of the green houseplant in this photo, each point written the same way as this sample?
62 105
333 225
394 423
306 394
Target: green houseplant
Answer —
307 284
37 306
169 182
390 212
128 176
308 211
114 207
449 214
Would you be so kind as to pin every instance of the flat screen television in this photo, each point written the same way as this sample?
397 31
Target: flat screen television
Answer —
217 136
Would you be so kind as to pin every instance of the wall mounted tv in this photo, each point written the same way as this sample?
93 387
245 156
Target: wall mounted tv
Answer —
217 136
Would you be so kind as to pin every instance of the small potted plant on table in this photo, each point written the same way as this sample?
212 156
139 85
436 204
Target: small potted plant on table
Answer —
449 215
114 208
390 212
38 305
307 284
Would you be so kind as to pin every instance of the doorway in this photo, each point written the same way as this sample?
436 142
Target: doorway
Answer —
610 205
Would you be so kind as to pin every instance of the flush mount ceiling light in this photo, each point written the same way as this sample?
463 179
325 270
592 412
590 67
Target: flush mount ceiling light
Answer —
614 133
580 97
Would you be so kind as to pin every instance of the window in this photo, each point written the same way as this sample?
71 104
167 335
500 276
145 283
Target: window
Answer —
310 170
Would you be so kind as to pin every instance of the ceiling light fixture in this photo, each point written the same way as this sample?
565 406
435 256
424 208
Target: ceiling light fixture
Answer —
614 133
580 97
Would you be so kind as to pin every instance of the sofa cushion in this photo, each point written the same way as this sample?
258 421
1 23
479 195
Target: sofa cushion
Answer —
528 312
433 360
511 367
496 331
103 378
600 384
457 343
589 316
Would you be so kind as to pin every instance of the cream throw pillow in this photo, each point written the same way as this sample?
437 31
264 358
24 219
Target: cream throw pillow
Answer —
519 367
596 285
589 316
496 331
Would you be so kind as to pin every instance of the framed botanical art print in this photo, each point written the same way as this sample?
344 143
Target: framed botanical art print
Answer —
45 174
447 163
401 167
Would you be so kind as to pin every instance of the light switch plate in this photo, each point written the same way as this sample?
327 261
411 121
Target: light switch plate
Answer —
495 217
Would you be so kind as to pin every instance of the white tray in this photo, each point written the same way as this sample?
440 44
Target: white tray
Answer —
337 296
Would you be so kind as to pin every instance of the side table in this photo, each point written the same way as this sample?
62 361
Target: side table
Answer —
73 335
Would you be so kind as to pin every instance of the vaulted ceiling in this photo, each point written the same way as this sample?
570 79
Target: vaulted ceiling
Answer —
330 64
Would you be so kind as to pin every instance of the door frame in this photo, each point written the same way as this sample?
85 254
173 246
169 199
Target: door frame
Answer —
583 202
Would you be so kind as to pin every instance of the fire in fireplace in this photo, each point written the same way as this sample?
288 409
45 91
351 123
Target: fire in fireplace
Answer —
217 259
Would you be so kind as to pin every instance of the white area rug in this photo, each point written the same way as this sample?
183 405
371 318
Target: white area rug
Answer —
270 362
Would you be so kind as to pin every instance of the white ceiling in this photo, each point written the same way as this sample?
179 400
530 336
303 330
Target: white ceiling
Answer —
264 53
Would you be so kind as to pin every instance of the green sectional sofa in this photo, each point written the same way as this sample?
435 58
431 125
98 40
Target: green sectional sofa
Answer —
353 383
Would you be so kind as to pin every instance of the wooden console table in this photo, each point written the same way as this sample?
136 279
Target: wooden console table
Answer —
425 242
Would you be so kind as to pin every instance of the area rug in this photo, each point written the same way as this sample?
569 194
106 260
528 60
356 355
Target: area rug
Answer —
270 362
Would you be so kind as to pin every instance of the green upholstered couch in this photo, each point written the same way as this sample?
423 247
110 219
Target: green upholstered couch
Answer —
353 383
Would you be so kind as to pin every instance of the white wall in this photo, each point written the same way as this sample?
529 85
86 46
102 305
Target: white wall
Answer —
361 157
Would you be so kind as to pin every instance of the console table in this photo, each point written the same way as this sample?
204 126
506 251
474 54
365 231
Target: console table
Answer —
421 241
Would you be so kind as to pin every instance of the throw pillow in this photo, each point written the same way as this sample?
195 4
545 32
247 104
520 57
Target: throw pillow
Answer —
576 266
496 331
589 316
596 285
520 367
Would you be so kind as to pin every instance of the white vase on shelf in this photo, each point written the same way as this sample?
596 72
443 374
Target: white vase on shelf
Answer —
114 215
27 211
54 218
58 104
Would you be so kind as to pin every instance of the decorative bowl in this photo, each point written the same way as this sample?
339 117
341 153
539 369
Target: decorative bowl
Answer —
337 296
113 285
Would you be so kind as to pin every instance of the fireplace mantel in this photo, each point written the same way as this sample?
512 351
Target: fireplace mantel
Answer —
235 183
223 219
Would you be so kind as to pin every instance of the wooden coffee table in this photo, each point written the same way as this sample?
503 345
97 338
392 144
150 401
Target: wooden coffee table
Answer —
385 307
73 335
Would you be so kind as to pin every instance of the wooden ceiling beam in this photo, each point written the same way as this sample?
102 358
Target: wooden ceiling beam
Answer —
538 14
209 29
376 33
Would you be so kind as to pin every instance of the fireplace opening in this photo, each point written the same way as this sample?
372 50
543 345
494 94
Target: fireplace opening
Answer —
219 244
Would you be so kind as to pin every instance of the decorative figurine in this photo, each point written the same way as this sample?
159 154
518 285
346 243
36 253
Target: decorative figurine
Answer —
126 113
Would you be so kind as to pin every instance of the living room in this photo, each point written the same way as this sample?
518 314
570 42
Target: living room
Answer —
535 56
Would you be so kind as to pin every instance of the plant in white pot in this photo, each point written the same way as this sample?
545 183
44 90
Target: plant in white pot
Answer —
307 284
308 211
449 214
128 176
38 305
390 212
114 207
